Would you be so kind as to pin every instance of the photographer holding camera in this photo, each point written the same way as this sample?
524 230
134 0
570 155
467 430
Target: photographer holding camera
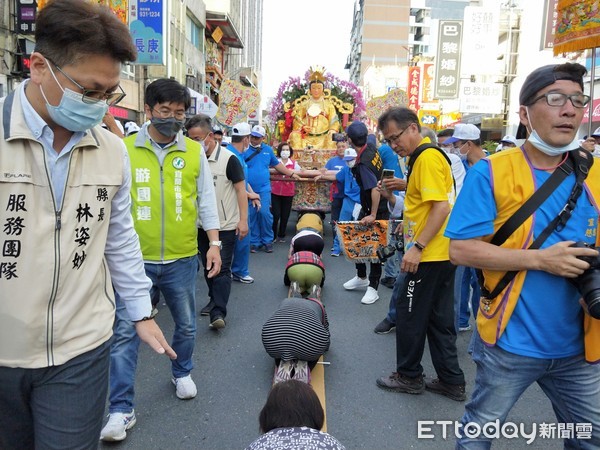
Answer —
532 326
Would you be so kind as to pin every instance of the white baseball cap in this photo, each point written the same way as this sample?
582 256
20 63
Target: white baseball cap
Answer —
131 127
510 139
464 132
596 132
240 129
258 131
349 154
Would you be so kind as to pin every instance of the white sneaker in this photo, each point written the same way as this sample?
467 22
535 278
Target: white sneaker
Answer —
185 388
117 426
356 282
371 296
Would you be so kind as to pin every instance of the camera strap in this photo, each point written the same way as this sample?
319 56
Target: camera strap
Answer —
256 152
578 160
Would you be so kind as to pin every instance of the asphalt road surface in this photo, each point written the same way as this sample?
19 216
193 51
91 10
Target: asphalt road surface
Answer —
233 374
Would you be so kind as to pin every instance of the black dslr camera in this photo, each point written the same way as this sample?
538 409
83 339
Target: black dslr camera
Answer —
588 283
386 251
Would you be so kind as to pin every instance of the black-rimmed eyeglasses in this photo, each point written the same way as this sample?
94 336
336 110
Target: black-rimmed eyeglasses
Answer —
559 99
392 139
93 96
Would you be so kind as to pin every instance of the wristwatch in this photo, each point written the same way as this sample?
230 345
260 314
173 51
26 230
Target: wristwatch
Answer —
419 245
216 244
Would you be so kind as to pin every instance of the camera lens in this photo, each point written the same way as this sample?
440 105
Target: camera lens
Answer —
592 300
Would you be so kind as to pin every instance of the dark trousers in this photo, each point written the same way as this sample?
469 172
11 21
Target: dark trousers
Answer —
281 207
425 309
55 407
219 287
336 208
374 273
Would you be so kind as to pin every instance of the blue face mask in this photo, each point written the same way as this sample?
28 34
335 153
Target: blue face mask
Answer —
72 113
535 140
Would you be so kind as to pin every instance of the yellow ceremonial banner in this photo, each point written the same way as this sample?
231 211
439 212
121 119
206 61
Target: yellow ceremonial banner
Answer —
577 26
360 242
236 101
378 105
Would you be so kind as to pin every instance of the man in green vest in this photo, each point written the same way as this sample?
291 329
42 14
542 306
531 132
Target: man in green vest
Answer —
172 190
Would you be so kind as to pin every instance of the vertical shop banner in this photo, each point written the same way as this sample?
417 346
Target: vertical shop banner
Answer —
427 83
26 13
479 41
147 24
447 64
550 20
414 85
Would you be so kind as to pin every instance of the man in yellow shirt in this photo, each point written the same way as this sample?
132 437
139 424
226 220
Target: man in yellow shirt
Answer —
425 304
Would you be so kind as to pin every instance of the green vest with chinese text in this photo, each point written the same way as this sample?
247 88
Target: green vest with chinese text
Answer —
164 199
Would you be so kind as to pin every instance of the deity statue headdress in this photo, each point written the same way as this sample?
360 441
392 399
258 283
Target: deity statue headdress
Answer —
317 74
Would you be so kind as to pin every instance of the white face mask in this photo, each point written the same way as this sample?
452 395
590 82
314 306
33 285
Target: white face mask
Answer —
285 154
535 140
462 156
597 148
351 163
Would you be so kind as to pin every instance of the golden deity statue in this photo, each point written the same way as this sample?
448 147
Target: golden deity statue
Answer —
315 116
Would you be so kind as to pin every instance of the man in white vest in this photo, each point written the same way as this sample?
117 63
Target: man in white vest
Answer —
230 188
67 232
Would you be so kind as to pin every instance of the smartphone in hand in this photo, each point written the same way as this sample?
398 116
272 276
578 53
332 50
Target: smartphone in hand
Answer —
387 173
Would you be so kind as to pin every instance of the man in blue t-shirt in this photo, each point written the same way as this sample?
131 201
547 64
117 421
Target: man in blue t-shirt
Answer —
533 331
240 138
259 158
336 163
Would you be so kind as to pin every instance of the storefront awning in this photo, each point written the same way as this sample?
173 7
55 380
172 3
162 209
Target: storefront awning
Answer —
595 112
230 37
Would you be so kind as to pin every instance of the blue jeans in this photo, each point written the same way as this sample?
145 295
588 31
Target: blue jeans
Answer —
571 384
469 281
54 407
261 221
391 268
219 287
177 282
391 317
241 254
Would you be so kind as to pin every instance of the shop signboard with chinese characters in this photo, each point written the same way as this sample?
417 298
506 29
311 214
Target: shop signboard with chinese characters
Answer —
447 67
429 118
428 73
26 13
414 84
147 24
482 98
479 41
550 21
